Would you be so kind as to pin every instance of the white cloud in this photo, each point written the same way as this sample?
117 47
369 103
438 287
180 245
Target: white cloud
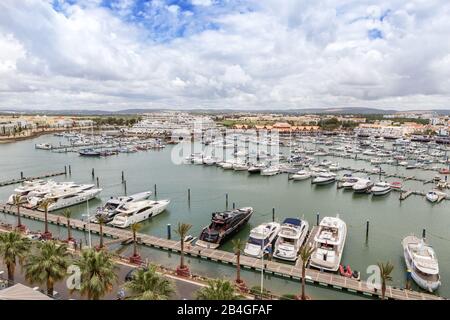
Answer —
281 54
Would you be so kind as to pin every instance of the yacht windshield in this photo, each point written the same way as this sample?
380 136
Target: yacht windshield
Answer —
258 242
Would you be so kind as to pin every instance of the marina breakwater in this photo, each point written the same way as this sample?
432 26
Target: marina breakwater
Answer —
323 279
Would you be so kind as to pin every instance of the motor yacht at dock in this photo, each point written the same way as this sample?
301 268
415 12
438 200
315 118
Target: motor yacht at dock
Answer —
324 178
134 212
329 244
223 225
261 238
362 186
381 188
301 175
63 198
422 262
109 210
290 238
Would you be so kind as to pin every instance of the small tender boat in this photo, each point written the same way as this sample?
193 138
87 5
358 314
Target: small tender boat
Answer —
422 262
43 146
381 188
89 153
349 182
434 195
396 185
444 171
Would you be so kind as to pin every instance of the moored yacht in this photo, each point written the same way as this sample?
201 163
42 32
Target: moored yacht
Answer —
256 168
270 171
223 224
362 186
422 262
381 188
329 244
290 238
261 238
324 178
134 212
301 175
434 195
109 210
63 198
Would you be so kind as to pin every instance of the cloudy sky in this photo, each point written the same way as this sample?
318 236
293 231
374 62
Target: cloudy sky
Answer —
254 54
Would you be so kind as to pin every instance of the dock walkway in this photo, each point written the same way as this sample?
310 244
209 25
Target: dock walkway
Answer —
22 179
313 276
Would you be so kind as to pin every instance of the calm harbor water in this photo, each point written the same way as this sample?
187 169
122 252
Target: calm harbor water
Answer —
390 219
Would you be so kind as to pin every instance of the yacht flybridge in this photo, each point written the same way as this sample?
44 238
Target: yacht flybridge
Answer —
290 238
329 244
261 239
422 262
134 212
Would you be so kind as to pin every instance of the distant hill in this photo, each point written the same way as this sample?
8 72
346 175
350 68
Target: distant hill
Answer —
348 110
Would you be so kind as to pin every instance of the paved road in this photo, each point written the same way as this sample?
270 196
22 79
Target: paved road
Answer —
185 289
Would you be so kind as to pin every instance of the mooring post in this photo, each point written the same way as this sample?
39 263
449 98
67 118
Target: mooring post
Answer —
189 196
21 174
169 232
367 230
156 194
93 173
234 205
317 218
123 177
125 186
65 170
273 214
424 233
226 201
98 183
70 170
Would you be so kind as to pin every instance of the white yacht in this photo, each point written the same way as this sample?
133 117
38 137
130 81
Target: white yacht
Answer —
240 166
290 238
434 195
138 211
68 197
43 146
301 175
270 171
109 210
256 168
422 262
381 188
324 178
261 239
329 244
362 186
349 182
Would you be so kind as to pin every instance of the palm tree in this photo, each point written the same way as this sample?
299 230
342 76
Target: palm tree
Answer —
135 227
147 284
17 202
182 230
97 273
48 265
218 289
13 247
44 206
68 214
101 221
237 247
385 275
305 255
